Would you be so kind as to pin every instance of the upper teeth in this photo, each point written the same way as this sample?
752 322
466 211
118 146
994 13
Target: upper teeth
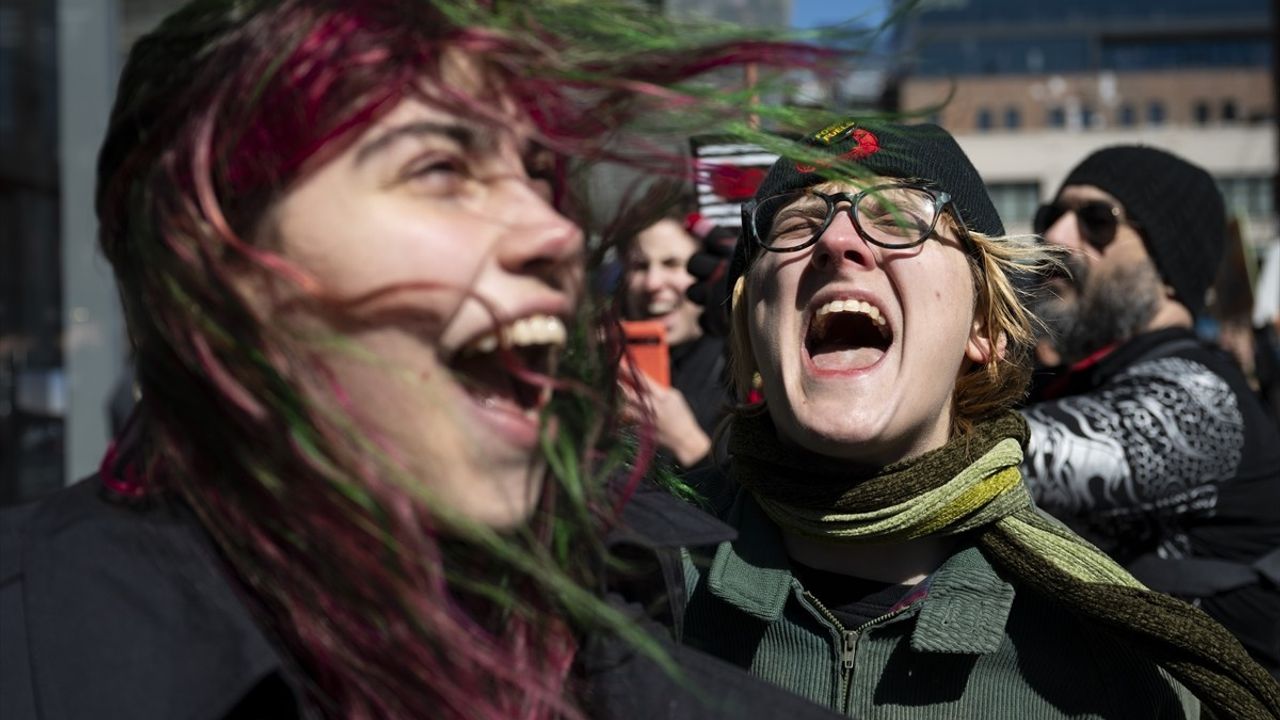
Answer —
661 307
856 306
531 330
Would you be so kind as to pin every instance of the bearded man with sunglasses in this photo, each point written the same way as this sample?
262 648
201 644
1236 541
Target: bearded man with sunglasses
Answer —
1152 443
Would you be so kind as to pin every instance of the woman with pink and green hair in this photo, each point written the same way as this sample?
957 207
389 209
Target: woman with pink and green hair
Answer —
364 479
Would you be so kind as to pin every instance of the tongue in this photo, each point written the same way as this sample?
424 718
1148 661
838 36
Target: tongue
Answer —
846 358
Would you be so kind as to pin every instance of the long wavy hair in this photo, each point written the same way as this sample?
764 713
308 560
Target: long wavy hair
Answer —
390 606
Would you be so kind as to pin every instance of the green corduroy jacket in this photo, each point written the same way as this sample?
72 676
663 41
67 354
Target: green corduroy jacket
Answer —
962 644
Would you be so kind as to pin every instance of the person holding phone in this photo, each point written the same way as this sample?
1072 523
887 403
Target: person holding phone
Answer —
655 280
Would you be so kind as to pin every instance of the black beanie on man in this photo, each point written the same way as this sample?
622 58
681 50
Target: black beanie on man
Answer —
924 152
1175 206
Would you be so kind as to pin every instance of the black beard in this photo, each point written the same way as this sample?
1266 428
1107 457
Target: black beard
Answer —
1110 308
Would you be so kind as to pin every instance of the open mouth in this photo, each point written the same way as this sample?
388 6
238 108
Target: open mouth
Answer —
847 335
509 368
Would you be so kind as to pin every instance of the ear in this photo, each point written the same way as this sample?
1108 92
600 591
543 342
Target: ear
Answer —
742 361
739 287
981 349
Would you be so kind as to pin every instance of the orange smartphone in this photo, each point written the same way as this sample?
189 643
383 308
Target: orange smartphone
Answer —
647 349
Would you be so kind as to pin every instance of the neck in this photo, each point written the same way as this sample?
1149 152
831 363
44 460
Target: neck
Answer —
1171 313
905 563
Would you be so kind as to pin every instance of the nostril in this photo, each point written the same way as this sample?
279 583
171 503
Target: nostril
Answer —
857 256
821 258
540 266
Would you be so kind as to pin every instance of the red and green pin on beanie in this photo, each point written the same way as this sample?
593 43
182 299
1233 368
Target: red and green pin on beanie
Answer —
921 153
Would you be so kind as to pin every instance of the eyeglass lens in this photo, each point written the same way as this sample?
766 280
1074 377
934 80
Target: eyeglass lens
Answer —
890 216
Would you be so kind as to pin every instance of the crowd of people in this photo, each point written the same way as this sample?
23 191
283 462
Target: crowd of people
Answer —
391 456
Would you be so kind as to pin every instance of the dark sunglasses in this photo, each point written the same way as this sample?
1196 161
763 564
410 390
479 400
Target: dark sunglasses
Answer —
1097 220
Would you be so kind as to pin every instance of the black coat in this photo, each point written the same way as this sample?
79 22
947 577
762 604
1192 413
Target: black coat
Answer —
108 611
698 372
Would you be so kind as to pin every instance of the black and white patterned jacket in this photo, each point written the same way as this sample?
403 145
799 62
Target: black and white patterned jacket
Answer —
1161 452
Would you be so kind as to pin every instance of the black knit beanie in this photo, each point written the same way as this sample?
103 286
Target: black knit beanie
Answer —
1176 207
924 152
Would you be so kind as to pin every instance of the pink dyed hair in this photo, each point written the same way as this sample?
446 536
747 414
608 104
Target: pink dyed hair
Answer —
219 110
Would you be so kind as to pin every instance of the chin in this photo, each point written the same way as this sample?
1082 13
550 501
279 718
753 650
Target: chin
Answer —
497 500
861 447
868 439
850 438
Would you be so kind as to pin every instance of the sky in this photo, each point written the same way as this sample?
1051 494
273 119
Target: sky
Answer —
809 13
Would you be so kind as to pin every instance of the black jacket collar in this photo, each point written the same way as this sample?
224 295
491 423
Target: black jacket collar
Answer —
654 519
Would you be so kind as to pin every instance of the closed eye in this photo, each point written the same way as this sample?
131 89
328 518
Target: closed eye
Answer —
791 222
437 175
435 166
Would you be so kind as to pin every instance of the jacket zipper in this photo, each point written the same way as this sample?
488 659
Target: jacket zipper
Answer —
849 643
850 646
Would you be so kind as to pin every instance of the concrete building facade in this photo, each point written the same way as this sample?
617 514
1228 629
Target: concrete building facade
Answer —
1030 87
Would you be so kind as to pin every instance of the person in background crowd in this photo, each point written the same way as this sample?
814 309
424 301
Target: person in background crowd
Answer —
1227 317
889 561
1152 444
654 284
1266 328
361 478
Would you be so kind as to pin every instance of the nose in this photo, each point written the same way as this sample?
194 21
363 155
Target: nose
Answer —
539 240
840 242
1065 232
654 278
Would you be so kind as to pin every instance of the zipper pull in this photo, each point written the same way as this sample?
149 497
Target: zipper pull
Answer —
850 644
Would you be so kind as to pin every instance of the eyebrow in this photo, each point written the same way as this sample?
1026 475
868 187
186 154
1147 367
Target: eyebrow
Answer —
800 208
466 137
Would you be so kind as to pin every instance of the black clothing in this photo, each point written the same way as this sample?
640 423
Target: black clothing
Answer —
1266 362
698 372
109 611
854 601
1161 454
1175 206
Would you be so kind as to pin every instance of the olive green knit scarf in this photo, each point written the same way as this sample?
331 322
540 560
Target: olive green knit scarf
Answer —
973 484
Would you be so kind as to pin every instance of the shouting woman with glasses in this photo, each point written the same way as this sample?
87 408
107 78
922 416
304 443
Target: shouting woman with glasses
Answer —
889 561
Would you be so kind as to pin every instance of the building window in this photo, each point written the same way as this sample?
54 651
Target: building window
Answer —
1248 196
1016 202
1200 112
984 120
1087 116
1056 118
1185 52
1012 118
1155 113
1229 112
1126 116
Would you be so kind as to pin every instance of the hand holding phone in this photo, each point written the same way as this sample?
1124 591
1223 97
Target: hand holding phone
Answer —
647 349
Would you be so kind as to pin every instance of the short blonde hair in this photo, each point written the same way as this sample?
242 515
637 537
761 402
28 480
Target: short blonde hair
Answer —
999 304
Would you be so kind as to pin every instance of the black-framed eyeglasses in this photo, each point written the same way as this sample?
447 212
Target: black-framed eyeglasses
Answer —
1098 220
894 215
